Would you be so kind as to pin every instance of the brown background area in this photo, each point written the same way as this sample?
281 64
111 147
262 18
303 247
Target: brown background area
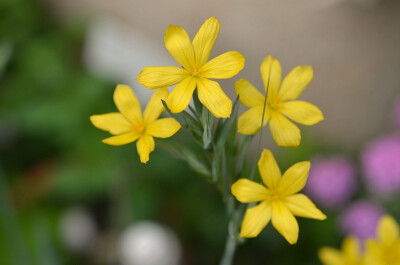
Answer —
354 49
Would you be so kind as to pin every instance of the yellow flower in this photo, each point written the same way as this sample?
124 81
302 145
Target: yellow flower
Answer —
280 103
193 56
279 200
349 255
385 250
130 124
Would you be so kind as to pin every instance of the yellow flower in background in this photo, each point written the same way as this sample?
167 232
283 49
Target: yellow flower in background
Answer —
279 200
385 249
350 254
129 124
281 103
196 70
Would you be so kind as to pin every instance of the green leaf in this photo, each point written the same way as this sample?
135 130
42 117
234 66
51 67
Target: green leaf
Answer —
197 104
207 120
187 121
243 145
196 163
224 131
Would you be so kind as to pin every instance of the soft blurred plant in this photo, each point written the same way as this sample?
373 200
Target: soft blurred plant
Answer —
381 167
383 249
332 181
360 218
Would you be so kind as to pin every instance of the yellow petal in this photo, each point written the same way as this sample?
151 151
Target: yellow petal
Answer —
284 132
350 248
295 82
269 169
145 145
301 112
154 106
204 40
163 128
300 205
255 219
163 76
247 191
271 73
128 104
284 222
179 46
331 256
388 230
115 123
248 94
373 249
249 122
122 139
213 98
224 66
180 97
294 179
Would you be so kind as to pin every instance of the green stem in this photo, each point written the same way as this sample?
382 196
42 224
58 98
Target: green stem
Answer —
230 248
236 218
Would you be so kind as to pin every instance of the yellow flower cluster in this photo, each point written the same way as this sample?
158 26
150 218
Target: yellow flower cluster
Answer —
382 250
279 198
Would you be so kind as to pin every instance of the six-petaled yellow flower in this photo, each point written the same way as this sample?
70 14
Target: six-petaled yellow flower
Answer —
130 124
281 102
279 200
385 249
350 254
196 70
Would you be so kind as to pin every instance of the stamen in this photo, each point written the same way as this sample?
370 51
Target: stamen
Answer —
190 71
140 130
197 67
276 108
198 74
272 199
273 191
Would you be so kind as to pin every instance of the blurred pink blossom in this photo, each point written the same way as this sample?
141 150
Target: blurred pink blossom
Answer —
381 164
360 219
331 181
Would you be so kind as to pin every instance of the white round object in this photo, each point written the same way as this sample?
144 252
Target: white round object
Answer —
149 243
78 229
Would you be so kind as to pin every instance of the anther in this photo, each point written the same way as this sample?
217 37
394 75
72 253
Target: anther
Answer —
198 74
276 108
273 191
197 66
190 71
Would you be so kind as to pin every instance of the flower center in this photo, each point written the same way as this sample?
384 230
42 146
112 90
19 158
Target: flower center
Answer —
139 128
275 196
194 72
273 103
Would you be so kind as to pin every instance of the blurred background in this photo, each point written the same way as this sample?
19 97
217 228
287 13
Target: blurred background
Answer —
66 198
